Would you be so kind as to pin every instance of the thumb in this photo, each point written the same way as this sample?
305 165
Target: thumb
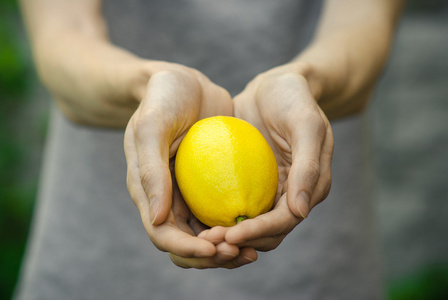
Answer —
155 178
149 178
302 180
306 167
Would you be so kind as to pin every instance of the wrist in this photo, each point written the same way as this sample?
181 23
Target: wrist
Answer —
315 79
339 86
92 81
326 73
127 81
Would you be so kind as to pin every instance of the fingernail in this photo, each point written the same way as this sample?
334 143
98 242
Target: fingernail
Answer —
248 259
303 204
153 209
224 257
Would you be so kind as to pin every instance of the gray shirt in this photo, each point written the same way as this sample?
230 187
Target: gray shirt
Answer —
87 240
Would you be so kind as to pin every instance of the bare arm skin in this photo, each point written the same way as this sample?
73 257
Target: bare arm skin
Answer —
348 53
93 82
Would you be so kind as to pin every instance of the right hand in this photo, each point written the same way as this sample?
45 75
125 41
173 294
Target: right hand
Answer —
174 98
280 104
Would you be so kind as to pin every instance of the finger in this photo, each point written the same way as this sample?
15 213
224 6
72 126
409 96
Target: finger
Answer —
226 252
306 156
153 169
182 214
203 234
215 234
133 182
186 220
279 221
157 125
169 238
196 226
246 256
264 244
323 186
215 101
166 237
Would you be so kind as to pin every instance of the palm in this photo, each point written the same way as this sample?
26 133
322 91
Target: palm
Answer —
180 215
249 110
278 145
281 107
174 100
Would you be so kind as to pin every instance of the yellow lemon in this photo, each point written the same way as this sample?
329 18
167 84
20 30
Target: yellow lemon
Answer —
226 171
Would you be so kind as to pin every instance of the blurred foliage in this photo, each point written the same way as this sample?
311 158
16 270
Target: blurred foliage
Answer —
13 62
428 284
16 196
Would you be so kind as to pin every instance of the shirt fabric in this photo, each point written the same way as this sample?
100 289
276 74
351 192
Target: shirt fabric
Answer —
87 240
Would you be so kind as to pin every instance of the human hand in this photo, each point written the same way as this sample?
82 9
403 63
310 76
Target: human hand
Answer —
280 104
172 101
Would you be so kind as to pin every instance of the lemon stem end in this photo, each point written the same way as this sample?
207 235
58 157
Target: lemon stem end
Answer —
240 219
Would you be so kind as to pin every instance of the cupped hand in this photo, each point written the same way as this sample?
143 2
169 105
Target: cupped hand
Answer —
173 99
280 104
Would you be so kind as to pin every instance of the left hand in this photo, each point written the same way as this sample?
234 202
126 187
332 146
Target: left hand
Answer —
279 103
173 99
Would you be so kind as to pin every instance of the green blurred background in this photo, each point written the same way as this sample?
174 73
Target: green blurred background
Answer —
408 115
22 135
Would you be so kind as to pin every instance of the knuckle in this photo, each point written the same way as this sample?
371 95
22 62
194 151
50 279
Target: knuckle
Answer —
312 172
141 127
284 78
313 118
274 83
146 178
170 74
179 76
223 93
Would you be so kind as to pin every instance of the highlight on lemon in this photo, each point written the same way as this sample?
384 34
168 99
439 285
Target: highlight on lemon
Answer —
226 171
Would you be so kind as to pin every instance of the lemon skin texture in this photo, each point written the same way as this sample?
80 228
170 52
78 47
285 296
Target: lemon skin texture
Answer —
226 171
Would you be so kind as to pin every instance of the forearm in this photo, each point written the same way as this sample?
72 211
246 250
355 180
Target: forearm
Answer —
348 53
92 81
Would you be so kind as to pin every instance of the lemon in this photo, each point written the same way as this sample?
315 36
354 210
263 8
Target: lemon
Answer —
226 171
